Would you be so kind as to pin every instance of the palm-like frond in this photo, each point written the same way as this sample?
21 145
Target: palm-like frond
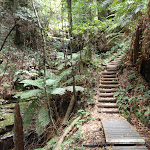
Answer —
42 120
30 113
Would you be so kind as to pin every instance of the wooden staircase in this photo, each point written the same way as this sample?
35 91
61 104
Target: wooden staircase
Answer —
108 87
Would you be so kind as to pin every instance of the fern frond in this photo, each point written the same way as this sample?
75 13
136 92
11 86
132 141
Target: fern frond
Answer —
65 73
50 82
38 83
42 120
77 78
28 94
49 74
78 88
29 113
59 91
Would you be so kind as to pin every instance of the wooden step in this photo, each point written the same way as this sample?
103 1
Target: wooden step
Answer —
108 76
106 94
109 82
112 69
109 73
124 147
109 79
109 86
107 105
111 66
108 110
107 100
108 90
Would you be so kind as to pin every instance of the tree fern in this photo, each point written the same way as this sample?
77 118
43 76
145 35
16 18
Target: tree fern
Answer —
42 120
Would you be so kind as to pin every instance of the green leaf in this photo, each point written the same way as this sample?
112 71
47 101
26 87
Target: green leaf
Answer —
77 78
42 120
147 113
59 91
77 88
38 83
29 113
50 82
27 94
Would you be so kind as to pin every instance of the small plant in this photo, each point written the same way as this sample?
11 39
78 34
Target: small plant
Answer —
1 115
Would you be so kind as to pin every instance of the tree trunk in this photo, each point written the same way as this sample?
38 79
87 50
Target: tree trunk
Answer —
18 129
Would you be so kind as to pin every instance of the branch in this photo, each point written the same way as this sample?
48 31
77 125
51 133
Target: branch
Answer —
61 139
7 36
69 110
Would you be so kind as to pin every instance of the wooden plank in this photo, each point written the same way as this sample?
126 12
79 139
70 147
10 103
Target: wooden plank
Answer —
108 110
108 76
107 99
107 105
126 148
108 90
109 86
109 79
106 94
119 131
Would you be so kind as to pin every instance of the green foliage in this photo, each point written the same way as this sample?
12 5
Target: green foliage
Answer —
37 83
42 120
36 92
28 94
52 142
30 113
134 99
77 88
125 11
1 115
59 91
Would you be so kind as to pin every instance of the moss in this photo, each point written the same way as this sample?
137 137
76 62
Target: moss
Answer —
8 120
9 117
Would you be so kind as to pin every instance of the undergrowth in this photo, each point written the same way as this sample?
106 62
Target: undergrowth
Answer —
134 95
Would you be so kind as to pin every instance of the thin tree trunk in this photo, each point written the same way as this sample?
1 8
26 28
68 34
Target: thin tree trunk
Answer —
69 110
73 99
44 61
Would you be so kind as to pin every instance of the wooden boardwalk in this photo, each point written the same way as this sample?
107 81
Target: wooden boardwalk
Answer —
126 148
118 132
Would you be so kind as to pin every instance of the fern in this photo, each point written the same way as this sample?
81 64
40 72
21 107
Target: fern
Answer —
64 74
28 94
29 113
42 120
38 83
77 88
77 78
50 82
59 91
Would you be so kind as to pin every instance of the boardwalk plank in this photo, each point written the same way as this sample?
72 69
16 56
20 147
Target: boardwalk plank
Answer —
126 148
119 131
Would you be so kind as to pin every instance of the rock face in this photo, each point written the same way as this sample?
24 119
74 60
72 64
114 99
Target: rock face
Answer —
140 47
